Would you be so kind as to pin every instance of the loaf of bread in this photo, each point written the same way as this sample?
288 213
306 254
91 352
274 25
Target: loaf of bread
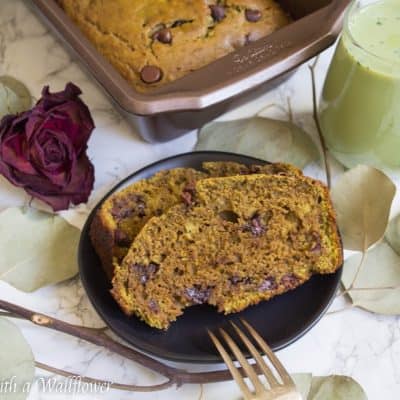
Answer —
121 217
152 42
246 239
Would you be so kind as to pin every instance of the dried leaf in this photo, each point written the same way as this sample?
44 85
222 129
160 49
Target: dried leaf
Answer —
380 269
37 249
303 383
14 96
264 138
362 198
17 366
336 387
393 234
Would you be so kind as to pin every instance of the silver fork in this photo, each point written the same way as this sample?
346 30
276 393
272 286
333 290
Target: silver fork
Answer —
279 389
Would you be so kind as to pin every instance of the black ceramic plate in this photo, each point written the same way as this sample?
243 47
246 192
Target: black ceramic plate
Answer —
280 321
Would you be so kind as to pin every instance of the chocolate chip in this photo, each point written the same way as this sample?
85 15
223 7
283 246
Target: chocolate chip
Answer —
188 193
217 12
253 15
235 280
140 206
268 284
143 272
290 281
255 226
121 209
190 187
121 238
163 35
151 74
315 247
153 305
187 198
197 294
152 268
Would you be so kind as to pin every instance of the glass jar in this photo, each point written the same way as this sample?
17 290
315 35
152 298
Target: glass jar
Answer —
360 104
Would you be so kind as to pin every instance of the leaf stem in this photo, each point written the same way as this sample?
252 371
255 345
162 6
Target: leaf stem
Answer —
363 257
201 392
111 385
290 110
317 123
351 287
362 289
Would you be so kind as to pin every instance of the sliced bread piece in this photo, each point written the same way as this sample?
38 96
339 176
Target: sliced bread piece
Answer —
248 239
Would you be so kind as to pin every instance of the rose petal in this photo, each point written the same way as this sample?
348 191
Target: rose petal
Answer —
49 100
34 123
77 192
83 186
80 123
14 149
55 171
56 202
36 183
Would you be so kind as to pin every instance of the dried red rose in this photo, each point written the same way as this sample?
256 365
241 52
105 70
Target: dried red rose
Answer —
43 150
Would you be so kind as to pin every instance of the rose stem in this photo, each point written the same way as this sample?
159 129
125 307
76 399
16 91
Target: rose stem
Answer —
175 376
117 386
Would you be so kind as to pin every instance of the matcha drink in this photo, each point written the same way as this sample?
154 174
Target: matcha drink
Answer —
360 105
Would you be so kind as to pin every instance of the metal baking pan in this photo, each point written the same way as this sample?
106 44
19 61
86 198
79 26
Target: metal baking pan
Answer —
188 103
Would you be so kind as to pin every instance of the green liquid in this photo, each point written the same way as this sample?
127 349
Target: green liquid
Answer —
360 108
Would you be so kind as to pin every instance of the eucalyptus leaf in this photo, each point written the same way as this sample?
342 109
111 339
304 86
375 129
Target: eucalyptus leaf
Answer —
336 387
380 269
393 234
264 138
303 383
14 96
362 198
37 248
17 366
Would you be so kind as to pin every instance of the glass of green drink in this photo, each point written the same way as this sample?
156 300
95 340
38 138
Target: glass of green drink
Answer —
360 104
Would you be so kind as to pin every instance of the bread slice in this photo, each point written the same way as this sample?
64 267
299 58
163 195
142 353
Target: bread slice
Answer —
248 239
122 215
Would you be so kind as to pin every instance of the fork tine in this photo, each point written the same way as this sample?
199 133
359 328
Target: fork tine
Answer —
259 388
231 366
254 352
286 378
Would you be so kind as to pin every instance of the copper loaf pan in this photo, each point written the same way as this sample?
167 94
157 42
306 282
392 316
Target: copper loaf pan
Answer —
190 102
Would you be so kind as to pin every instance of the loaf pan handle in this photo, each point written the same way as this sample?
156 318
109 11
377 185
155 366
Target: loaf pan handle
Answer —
256 63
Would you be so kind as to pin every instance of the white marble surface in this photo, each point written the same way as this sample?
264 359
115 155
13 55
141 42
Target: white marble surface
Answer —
355 343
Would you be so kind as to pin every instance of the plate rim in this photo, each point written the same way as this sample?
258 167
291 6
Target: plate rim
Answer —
154 351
